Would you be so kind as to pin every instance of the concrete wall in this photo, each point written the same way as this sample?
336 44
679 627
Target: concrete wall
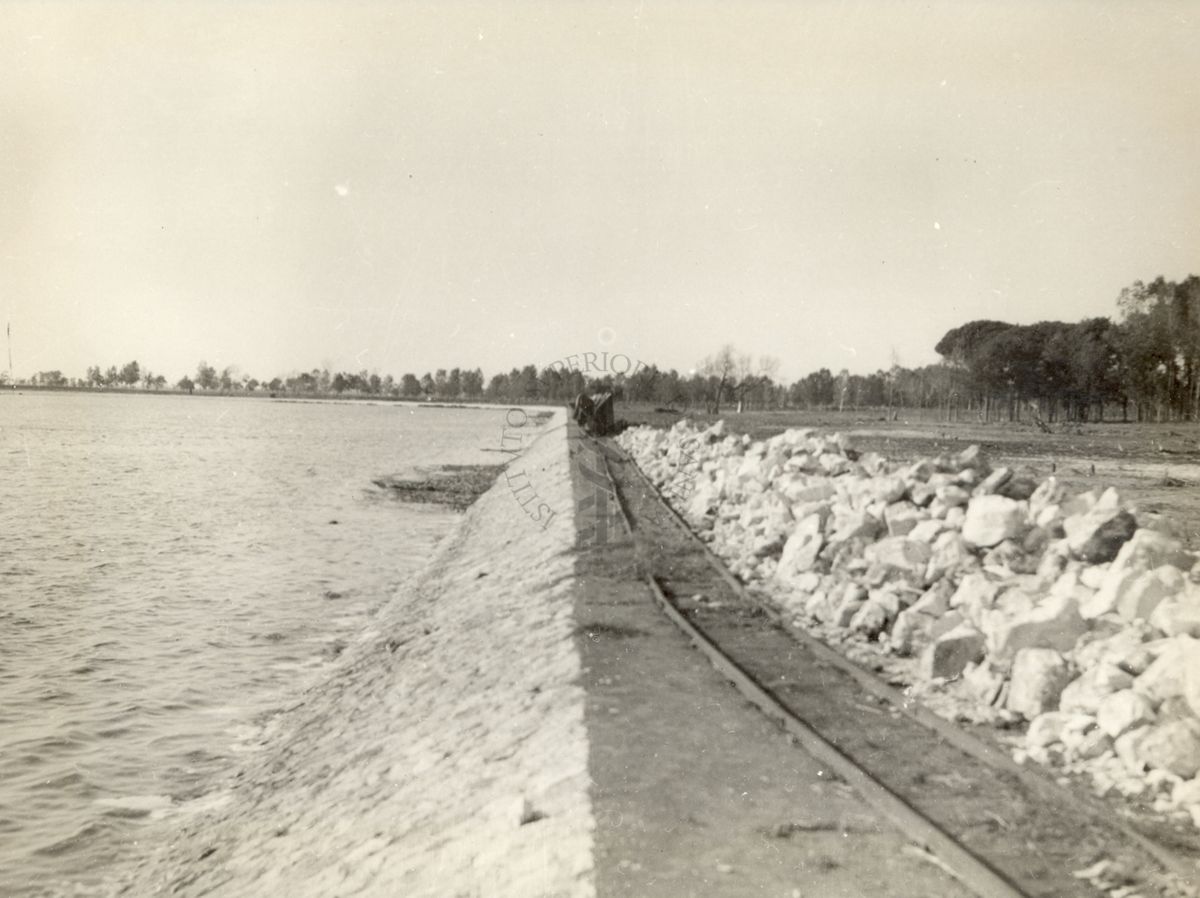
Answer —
446 754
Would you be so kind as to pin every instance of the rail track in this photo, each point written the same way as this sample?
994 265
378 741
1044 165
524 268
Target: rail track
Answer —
1004 830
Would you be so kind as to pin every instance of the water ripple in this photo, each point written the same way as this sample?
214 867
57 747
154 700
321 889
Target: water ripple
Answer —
170 580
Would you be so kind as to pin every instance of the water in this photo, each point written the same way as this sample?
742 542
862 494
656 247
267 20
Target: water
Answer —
172 570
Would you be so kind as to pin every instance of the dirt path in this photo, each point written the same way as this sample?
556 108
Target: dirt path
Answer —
1033 833
694 791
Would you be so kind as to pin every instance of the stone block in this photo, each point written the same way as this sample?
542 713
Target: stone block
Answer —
1037 680
992 519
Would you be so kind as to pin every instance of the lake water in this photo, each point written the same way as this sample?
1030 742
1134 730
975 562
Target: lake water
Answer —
172 571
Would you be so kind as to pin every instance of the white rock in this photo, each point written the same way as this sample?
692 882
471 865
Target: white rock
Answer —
1143 595
952 495
1173 746
877 614
1054 624
1179 615
1092 744
1092 576
1112 590
993 482
1048 728
927 530
801 549
992 519
1098 534
950 553
1123 711
1148 549
803 490
1084 694
976 593
1164 678
1124 649
902 518
1038 678
1186 792
908 555
1049 493
951 652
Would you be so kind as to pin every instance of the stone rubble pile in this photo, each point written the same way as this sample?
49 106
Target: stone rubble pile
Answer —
1069 612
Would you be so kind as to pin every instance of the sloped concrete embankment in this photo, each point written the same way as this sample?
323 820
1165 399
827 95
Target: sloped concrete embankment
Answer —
445 755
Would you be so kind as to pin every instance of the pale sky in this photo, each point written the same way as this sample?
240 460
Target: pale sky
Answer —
402 186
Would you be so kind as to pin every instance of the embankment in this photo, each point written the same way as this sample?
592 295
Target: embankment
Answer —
445 755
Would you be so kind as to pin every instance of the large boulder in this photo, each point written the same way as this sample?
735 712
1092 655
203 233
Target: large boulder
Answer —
976 594
1053 726
1179 614
801 549
1173 746
850 524
950 653
1053 624
993 482
1050 494
877 614
1125 648
1038 678
899 553
920 622
1142 595
1097 535
1123 711
950 553
1084 695
1164 679
902 517
993 519
1148 549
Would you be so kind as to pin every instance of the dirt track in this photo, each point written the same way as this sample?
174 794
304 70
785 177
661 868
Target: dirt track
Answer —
694 791
1036 836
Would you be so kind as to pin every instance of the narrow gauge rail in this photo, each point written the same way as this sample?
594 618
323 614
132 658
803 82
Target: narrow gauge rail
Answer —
1004 830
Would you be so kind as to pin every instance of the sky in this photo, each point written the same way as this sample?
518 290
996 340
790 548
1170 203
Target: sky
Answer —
401 187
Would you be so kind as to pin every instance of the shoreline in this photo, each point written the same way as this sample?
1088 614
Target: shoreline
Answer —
445 754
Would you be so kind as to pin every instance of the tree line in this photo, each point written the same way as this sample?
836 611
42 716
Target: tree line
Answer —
1145 364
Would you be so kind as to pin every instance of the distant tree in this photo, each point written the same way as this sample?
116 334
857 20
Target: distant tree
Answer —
186 383
206 376
473 383
131 374
454 386
112 376
498 387
410 387
49 379
427 384
719 373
